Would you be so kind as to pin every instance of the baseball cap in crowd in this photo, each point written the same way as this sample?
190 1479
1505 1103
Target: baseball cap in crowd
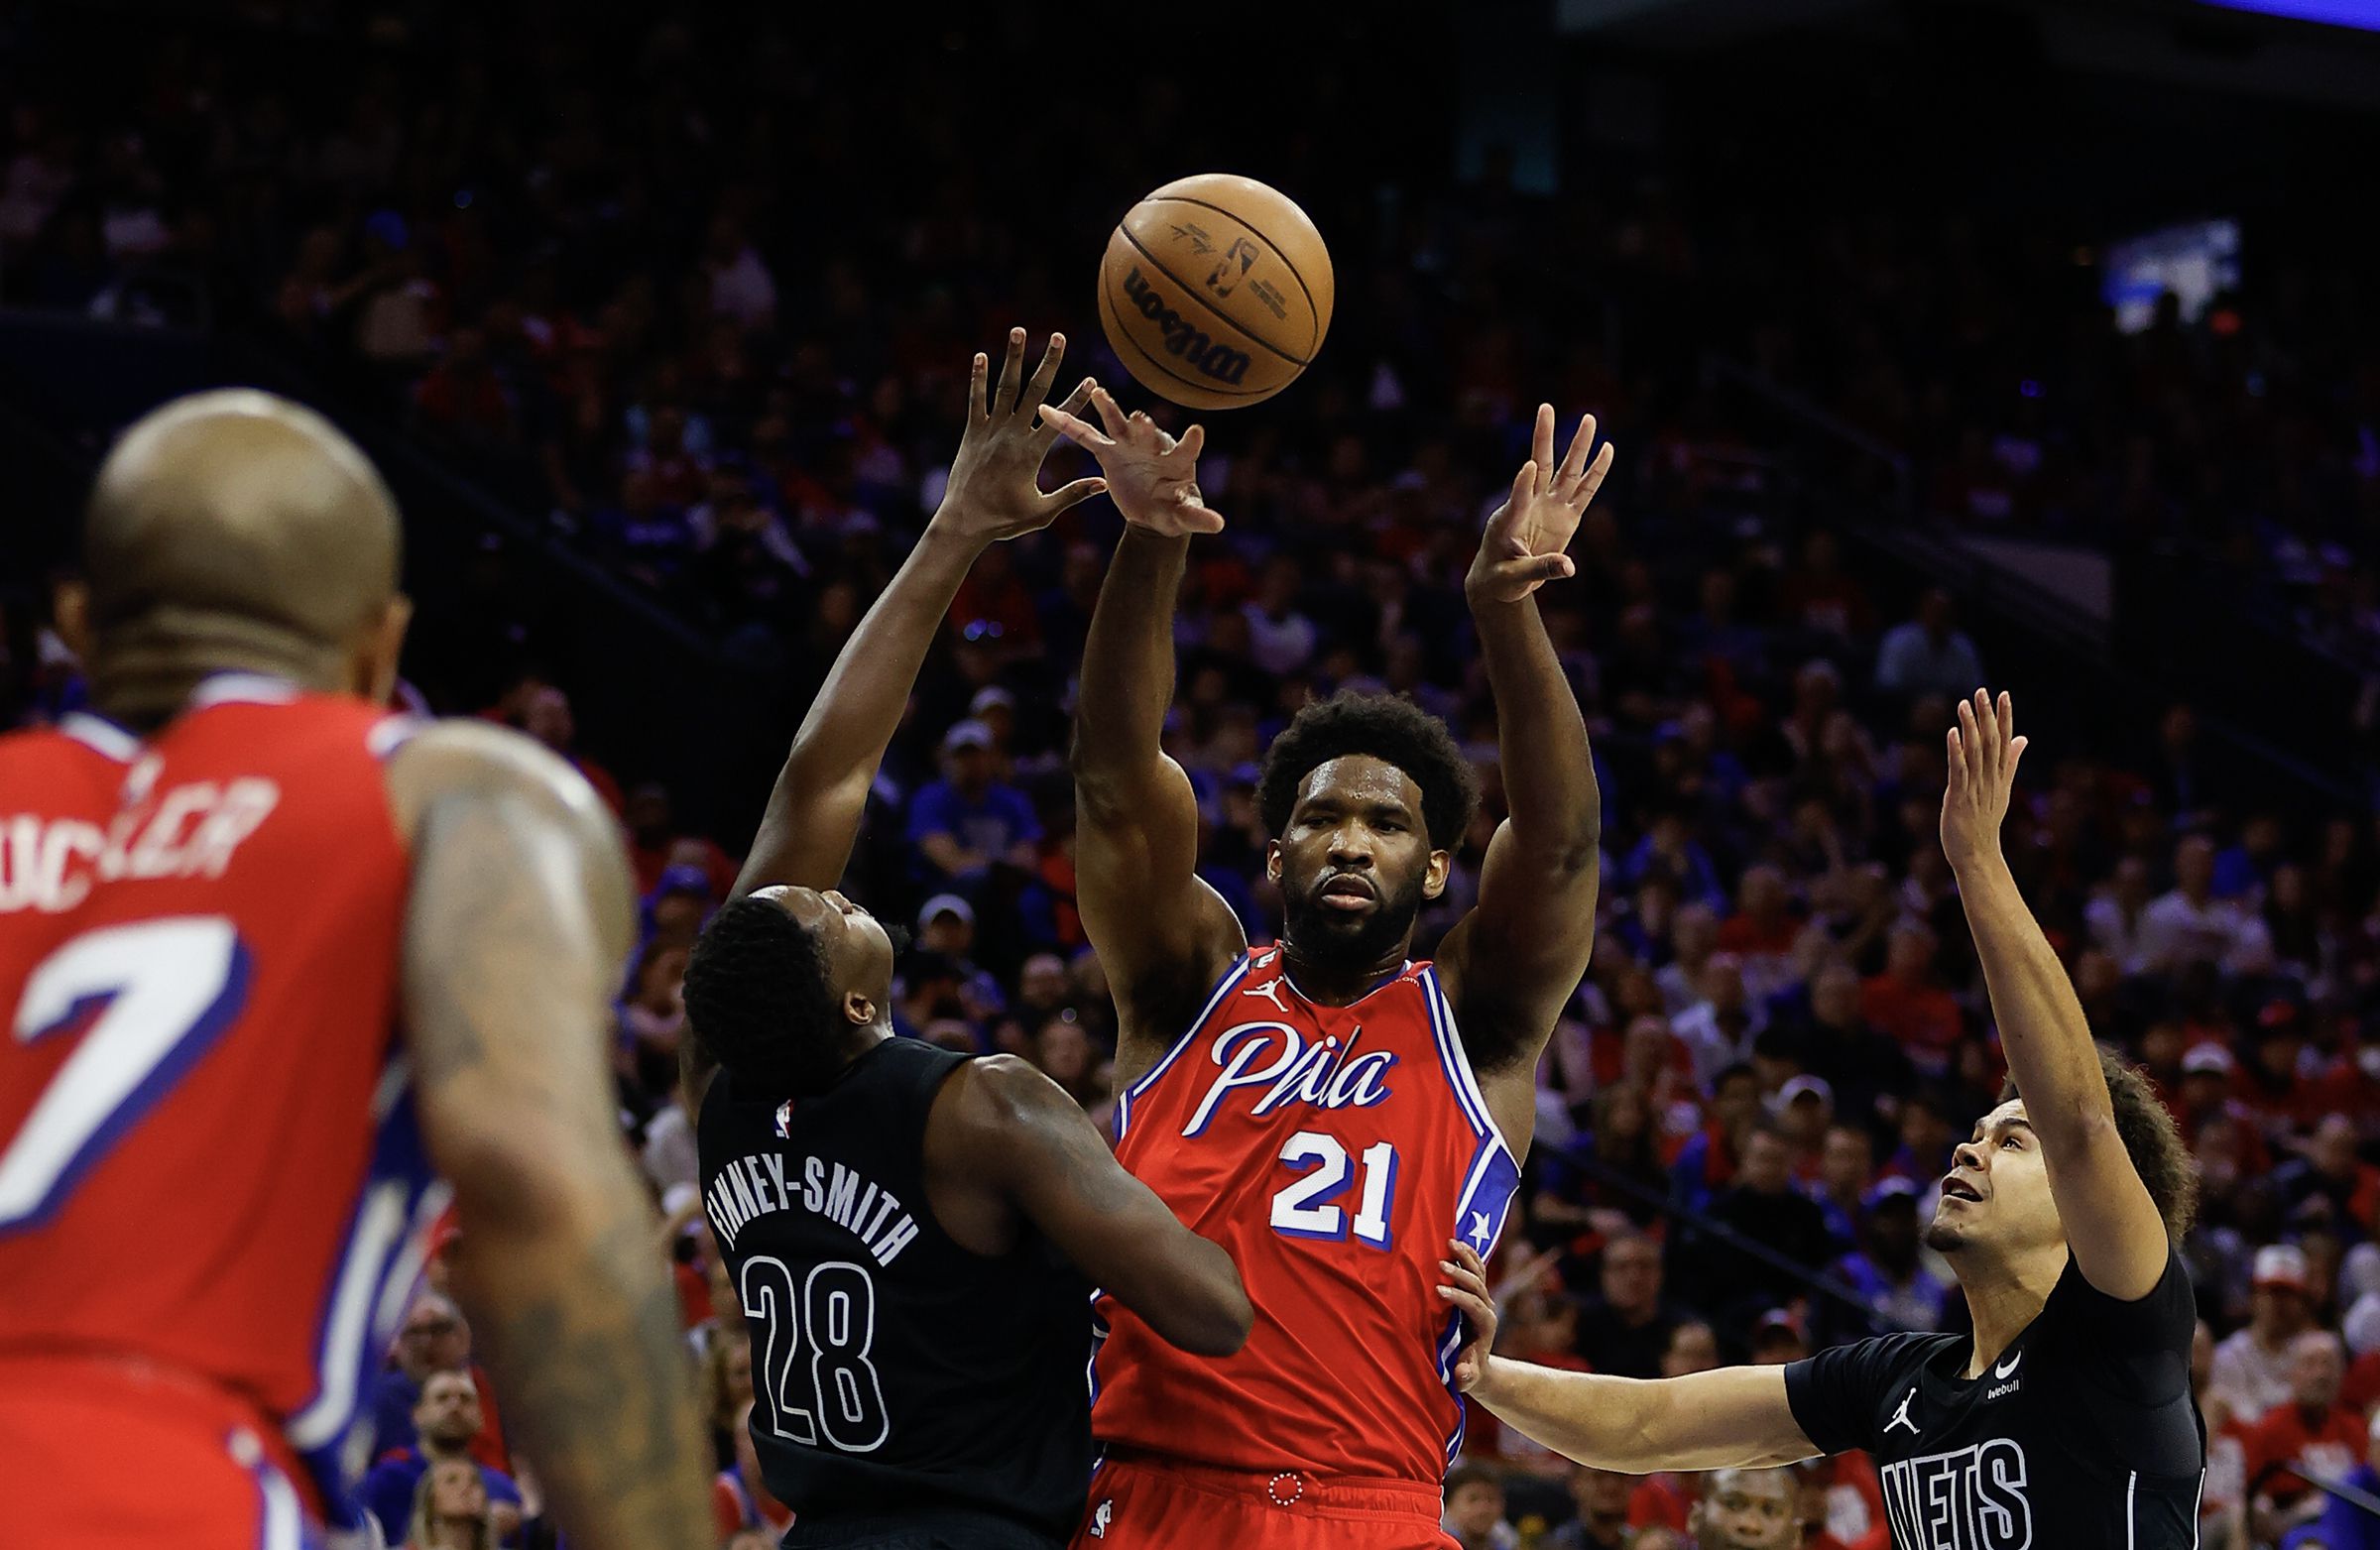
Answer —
684 879
2281 1264
990 697
1805 1087
2207 1060
1892 1187
945 904
970 733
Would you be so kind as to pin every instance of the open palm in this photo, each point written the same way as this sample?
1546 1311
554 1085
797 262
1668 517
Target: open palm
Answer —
1153 477
1522 548
994 490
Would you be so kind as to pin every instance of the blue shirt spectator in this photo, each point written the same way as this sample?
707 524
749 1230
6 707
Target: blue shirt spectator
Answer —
445 1420
969 820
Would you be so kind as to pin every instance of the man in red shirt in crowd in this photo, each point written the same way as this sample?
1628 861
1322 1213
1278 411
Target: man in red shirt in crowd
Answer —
2313 1431
1906 1003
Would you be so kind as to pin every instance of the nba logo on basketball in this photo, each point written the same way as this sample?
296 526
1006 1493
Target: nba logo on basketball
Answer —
784 1120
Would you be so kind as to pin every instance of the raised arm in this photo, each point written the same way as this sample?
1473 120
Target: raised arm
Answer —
2116 1232
1164 936
517 924
1727 1418
1533 929
1018 1131
813 815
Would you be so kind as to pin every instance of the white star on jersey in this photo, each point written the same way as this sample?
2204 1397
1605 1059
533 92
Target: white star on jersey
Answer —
1481 1231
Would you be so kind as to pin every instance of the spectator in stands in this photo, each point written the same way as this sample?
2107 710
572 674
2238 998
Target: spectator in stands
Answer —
1887 1269
1706 1165
2331 1183
740 1499
1804 1110
969 822
545 715
1765 1208
2253 1369
2117 912
1908 1004
1747 1509
1601 1499
2311 1432
657 843
2189 924
1763 931
1833 1038
449 1510
1928 654
1475 1509
445 1422
435 1338
1846 1168
1627 1328
2346 1526
1718 1028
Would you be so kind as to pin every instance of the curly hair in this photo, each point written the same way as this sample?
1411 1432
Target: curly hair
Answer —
1389 728
2151 1139
761 999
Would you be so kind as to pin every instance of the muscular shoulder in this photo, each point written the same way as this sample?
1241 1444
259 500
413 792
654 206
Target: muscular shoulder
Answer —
998 1095
478 757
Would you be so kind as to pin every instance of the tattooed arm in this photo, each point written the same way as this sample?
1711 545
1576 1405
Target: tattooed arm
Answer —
518 921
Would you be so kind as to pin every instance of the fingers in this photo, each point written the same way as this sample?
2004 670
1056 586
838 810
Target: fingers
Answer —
1193 441
1066 496
1197 517
1967 736
1076 402
1474 1304
1958 764
1541 439
1574 462
1046 373
1004 396
1524 490
1988 746
1594 479
2016 754
1111 412
1082 431
1472 1262
975 387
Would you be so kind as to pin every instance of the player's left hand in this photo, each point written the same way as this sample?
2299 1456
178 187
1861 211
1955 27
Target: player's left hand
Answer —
1521 551
994 490
1465 1287
1984 748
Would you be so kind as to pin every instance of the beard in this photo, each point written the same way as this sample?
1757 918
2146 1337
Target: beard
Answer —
1338 939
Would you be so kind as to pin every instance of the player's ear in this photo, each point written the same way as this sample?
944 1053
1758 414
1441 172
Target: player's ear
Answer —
858 1010
73 607
379 645
1272 861
1434 876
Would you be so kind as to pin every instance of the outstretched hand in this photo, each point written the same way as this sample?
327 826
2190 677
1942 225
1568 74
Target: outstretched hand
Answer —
1985 749
994 490
1152 476
1521 551
1465 1287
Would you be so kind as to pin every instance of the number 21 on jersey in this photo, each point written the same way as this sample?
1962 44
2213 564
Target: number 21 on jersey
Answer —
1308 1207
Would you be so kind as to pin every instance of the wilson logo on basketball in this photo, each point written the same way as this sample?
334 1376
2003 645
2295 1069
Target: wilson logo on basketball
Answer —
1218 362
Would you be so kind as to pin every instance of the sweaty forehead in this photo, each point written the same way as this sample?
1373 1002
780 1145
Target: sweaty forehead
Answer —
1360 778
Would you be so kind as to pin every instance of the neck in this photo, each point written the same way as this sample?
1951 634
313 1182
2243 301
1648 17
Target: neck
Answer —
2003 1296
142 672
434 1450
1337 985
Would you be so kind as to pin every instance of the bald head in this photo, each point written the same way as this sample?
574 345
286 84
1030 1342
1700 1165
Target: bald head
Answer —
240 503
236 529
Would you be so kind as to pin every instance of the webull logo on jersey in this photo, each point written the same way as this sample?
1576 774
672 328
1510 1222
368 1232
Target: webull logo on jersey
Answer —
1275 1059
1972 1499
1203 355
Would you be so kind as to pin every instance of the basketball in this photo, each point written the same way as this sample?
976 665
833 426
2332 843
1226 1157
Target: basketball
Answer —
1216 291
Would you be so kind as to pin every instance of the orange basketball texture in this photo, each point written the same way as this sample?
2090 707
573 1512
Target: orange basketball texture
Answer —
1216 291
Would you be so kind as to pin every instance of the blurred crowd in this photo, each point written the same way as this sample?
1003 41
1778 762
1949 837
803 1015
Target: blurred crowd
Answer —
664 297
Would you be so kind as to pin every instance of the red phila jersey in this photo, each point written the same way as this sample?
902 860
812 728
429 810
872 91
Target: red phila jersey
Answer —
1332 1152
209 1163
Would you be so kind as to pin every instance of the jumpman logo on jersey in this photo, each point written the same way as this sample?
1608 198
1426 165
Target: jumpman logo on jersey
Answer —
1900 1417
1270 990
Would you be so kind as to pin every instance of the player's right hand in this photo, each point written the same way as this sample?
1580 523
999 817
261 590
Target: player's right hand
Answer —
1465 1287
1153 477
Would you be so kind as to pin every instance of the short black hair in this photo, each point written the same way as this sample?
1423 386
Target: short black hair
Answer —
1389 728
761 999
2151 1139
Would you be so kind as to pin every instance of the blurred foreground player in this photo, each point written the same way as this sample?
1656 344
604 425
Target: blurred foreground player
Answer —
217 1132
2066 1418
909 1229
1329 1110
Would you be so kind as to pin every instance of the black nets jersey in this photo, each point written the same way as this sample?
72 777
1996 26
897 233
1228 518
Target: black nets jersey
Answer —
894 1372
2083 1434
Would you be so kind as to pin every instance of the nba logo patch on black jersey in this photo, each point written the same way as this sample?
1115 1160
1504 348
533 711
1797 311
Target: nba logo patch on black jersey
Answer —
784 1120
